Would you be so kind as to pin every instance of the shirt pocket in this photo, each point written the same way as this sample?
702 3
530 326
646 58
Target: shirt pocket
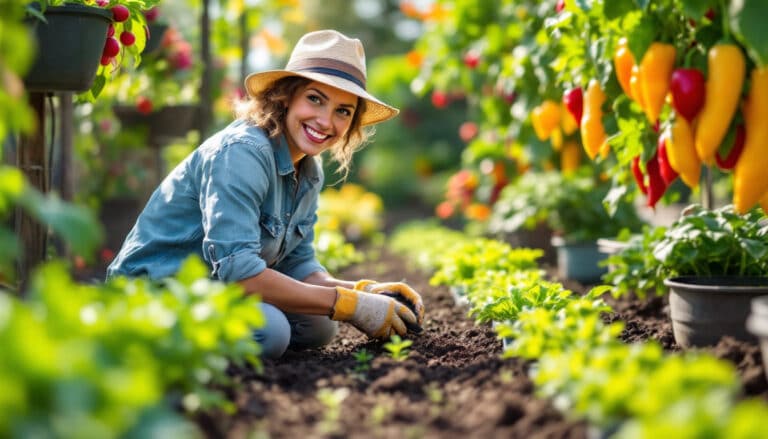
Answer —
272 232
301 230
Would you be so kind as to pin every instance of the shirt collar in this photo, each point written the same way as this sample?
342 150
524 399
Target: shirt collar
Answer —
284 162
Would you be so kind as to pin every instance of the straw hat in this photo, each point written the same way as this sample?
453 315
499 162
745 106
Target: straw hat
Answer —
329 57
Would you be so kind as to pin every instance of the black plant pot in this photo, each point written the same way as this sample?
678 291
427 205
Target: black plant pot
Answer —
156 32
69 48
164 125
704 309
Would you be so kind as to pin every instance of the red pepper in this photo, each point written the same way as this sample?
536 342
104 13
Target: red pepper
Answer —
688 89
573 100
638 174
656 184
667 172
730 160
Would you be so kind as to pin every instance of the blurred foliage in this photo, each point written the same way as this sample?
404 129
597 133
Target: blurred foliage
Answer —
120 359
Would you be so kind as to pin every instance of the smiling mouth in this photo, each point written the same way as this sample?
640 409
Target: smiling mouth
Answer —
314 135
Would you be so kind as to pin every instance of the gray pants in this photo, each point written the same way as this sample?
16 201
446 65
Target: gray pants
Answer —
297 331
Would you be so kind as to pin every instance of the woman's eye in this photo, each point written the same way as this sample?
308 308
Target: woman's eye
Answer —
345 112
314 98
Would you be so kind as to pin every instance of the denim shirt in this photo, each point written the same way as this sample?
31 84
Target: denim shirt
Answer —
237 203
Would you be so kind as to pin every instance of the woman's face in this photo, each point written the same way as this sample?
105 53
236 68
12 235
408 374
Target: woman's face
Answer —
318 116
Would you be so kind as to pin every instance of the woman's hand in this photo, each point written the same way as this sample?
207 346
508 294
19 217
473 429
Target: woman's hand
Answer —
392 289
376 315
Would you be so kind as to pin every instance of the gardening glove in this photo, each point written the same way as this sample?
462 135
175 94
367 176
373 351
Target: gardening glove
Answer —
376 315
399 290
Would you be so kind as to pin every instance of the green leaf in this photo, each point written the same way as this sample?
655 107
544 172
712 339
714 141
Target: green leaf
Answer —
192 269
695 9
77 225
747 19
617 8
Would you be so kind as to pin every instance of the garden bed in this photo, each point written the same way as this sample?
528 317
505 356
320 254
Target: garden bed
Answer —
453 383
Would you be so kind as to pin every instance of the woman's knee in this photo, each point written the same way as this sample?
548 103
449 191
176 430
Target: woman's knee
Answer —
311 331
275 335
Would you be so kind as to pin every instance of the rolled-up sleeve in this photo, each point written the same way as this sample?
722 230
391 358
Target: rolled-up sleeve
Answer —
234 181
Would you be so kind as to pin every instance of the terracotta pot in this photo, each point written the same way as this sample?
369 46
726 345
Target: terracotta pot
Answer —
704 309
69 48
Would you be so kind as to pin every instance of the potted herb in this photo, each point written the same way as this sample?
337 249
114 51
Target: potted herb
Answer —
572 207
80 43
714 263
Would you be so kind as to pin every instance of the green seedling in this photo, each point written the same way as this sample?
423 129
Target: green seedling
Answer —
363 360
331 399
398 348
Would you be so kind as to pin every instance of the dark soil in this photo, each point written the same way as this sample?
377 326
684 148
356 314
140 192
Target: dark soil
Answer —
452 385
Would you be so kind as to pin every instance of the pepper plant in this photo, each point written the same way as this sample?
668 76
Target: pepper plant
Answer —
514 61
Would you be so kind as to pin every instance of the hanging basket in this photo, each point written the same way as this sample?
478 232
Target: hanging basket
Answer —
164 125
69 48
156 32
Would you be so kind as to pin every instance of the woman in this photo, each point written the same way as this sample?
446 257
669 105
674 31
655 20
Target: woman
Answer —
245 201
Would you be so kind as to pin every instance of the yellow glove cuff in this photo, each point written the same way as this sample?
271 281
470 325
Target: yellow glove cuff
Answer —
362 284
346 303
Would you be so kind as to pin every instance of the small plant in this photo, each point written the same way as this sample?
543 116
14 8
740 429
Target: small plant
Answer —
398 348
331 399
363 360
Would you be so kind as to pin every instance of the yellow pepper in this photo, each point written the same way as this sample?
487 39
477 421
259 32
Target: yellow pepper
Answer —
655 72
545 118
681 151
750 176
570 157
725 79
623 61
568 122
764 203
592 130
635 81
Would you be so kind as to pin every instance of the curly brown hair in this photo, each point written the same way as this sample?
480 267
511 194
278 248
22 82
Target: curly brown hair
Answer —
268 109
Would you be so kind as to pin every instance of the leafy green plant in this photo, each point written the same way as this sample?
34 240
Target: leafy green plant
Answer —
608 384
506 300
539 330
331 399
702 242
474 258
95 361
333 251
362 360
424 242
571 205
634 269
360 223
717 242
398 348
